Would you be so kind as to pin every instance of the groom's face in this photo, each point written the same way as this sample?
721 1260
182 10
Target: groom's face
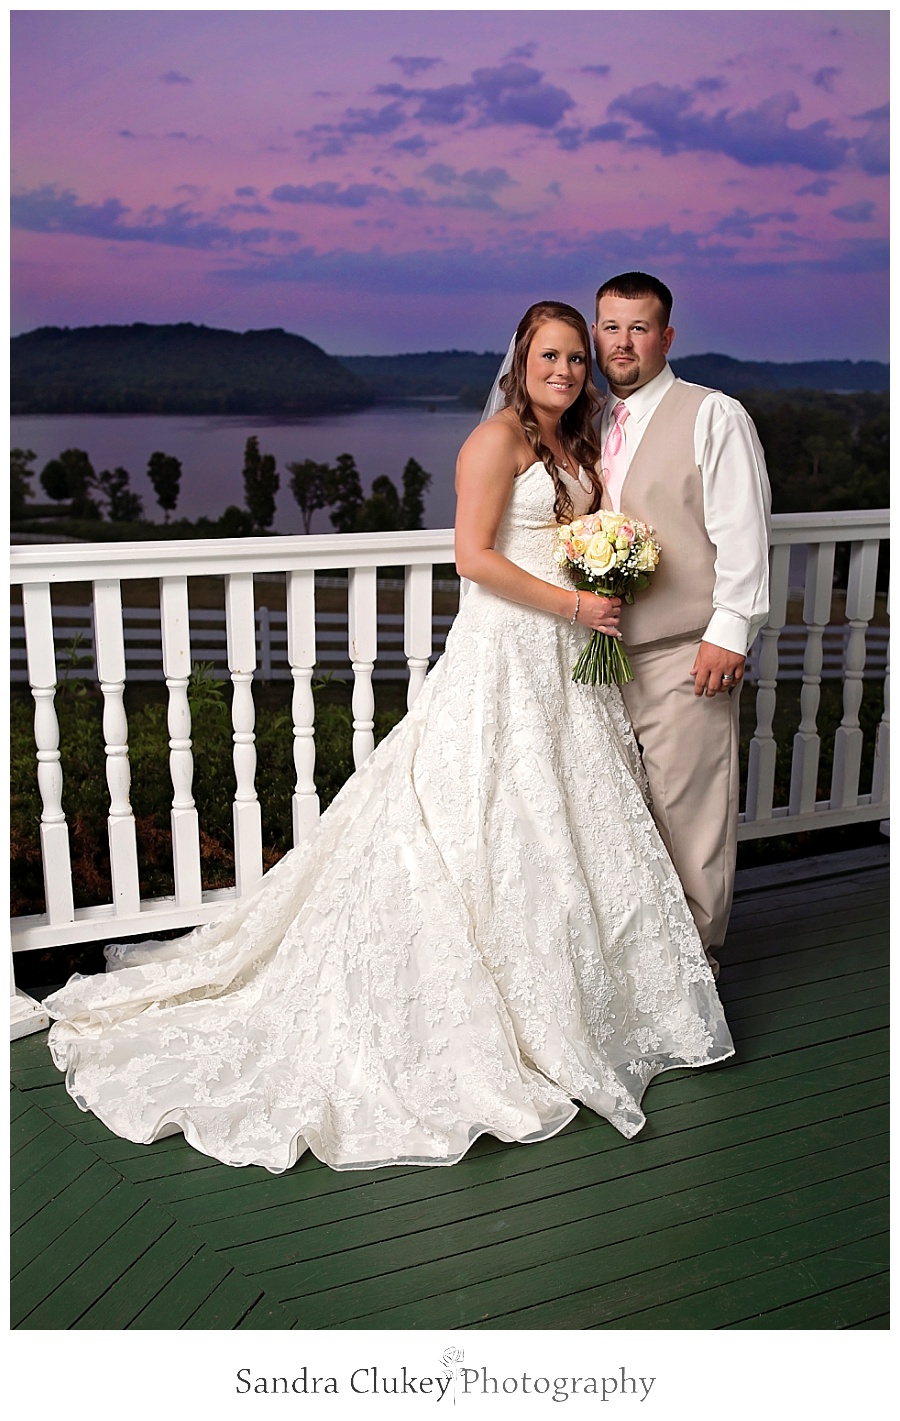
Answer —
631 340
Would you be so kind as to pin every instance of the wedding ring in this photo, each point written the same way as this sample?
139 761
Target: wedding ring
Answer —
727 678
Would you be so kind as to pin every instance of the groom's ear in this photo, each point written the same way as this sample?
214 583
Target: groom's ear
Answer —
668 337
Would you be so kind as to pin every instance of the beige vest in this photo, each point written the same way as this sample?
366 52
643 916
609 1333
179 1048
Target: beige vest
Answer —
664 488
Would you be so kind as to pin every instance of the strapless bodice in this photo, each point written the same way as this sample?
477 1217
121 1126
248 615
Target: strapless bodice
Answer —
527 534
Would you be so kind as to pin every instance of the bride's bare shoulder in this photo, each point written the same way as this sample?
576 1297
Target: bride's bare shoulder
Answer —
499 441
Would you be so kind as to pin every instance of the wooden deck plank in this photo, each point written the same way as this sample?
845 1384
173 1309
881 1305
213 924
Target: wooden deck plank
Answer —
18 1102
771 908
512 1239
811 1009
862 1253
227 1305
39 1154
59 1214
26 1128
753 1042
372 1208
175 1304
852 1305
28 1197
122 1302
27 1077
265 1316
805 953
115 1255
626 1293
804 995
467 1300
706 1136
48 1276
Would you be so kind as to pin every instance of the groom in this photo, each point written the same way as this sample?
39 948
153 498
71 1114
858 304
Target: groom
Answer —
688 461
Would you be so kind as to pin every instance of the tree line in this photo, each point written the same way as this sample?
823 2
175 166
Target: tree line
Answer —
824 452
86 495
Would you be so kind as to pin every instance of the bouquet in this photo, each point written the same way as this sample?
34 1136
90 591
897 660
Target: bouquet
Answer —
613 556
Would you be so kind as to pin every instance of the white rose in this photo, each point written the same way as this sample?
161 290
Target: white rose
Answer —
599 555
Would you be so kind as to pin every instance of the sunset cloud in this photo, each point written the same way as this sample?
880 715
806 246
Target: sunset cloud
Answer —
755 137
445 167
47 210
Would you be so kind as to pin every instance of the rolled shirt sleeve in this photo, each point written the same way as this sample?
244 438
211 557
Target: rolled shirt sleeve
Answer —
737 512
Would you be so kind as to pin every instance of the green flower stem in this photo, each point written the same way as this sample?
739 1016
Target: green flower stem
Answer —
604 661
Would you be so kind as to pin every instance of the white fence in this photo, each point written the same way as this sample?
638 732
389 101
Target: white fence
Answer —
175 637
75 636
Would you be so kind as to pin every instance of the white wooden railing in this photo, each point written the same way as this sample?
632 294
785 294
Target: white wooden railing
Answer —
43 573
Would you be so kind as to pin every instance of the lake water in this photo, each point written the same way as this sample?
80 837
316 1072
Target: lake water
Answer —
211 450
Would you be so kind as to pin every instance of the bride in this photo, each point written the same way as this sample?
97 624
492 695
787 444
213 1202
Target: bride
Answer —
483 929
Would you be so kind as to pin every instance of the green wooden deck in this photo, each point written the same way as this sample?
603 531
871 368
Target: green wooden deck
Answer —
756 1196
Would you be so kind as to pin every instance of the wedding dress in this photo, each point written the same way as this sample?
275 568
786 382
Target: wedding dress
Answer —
483 929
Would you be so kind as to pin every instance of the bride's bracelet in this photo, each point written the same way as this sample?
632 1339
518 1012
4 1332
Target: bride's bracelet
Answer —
574 617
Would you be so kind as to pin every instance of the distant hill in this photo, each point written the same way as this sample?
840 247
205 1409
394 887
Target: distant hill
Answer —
733 376
468 376
177 369
453 374
188 369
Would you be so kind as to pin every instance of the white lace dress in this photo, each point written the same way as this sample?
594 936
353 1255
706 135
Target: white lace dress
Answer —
483 929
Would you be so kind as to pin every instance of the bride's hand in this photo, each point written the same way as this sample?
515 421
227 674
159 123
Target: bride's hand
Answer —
601 614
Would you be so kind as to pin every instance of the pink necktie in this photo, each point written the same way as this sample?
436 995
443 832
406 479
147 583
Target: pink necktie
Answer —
615 464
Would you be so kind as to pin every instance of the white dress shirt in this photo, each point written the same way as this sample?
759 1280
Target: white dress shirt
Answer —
736 503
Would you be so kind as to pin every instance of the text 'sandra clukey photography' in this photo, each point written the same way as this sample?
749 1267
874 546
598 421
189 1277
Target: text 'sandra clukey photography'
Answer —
452 1380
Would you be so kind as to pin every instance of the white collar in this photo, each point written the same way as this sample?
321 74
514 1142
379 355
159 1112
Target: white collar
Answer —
644 401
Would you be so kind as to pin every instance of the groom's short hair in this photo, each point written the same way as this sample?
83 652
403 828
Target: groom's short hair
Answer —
634 284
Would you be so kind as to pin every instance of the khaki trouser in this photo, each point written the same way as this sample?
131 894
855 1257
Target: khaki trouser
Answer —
689 745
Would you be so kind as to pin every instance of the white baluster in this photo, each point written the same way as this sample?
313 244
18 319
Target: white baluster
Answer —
55 856
176 656
816 615
240 628
417 627
301 650
763 749
848 741
362 619
110 644
881 771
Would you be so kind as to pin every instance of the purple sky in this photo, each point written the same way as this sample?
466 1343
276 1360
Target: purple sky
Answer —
384 181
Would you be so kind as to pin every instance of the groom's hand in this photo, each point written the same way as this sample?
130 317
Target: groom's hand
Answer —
716 669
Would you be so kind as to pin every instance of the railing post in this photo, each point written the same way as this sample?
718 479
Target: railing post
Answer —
848 740
110 652
240 631
881 771
39 649
763 749
362 612
301 650
417 627
816 615
176 655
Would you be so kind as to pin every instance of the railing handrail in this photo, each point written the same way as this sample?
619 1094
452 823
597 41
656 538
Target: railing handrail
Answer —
62 562
54 562
850 525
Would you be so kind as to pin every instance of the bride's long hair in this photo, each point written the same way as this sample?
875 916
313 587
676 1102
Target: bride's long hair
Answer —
575 426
